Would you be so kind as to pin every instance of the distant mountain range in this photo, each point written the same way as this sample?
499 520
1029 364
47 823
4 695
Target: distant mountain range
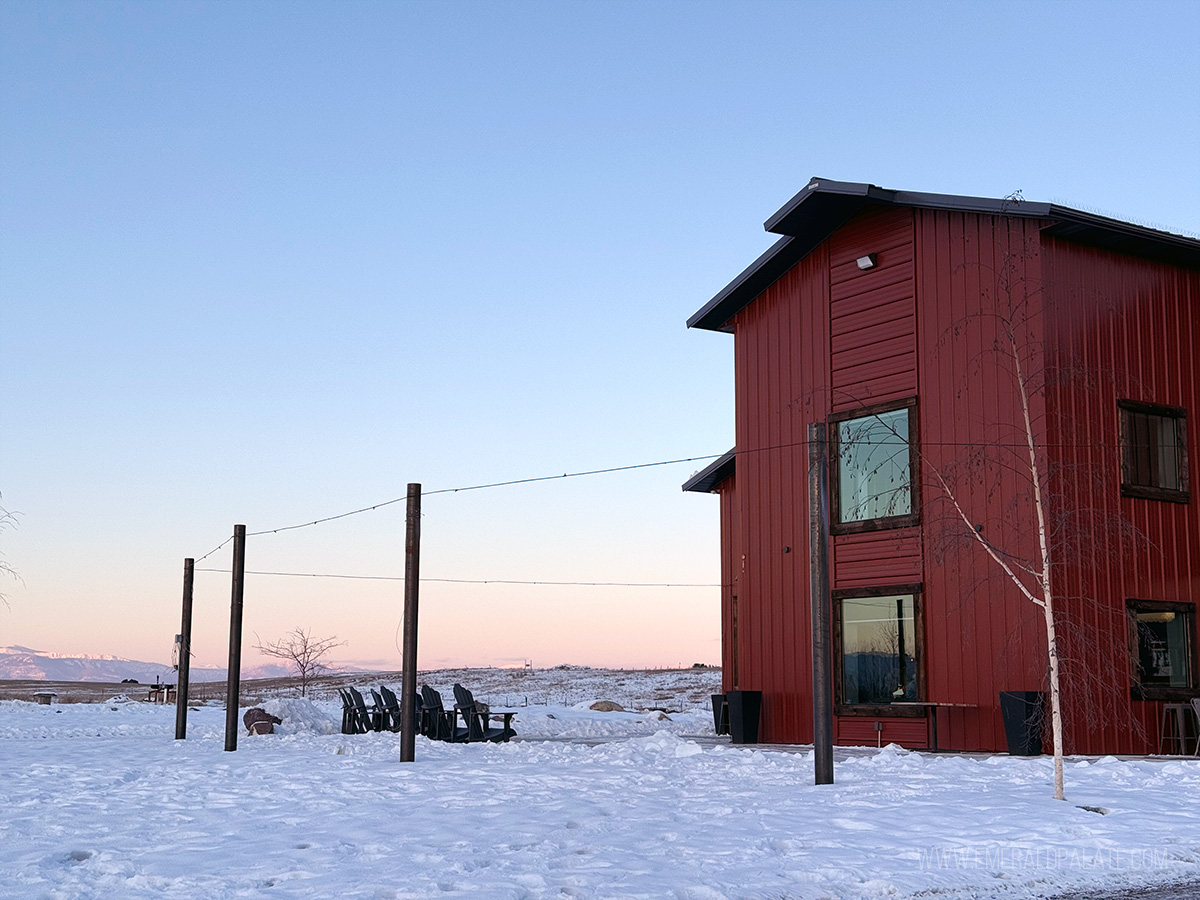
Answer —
25 664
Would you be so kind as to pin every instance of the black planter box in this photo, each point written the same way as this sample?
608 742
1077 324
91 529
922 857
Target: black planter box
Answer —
720 714
1024 716
744 707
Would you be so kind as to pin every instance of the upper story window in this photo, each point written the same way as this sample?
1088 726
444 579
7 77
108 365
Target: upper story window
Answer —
1154 461
873 471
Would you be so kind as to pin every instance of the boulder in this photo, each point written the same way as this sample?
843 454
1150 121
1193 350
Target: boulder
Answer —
259 721
607 706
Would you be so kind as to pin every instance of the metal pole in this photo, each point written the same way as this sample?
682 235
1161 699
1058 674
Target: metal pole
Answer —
233 676
818 562
412 582
185 652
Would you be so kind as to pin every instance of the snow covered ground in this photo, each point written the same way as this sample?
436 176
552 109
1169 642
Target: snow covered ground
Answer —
98 801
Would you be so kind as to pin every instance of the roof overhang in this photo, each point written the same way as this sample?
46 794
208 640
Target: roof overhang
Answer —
706 480
824 206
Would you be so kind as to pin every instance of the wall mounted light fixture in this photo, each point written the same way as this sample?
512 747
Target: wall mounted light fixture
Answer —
868 261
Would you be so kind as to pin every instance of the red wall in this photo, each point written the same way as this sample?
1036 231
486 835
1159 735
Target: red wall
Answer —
781 377
982 636
1118 328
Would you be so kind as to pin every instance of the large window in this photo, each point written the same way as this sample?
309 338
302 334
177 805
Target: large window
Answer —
1162 645
878 641
873 471
1154 460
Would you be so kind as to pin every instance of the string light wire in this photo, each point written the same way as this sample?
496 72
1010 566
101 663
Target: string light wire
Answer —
646 584
629 468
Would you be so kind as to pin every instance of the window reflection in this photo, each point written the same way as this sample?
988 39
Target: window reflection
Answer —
874 477
879 649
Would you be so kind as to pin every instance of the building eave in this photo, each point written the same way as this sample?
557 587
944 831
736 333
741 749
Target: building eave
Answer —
710 477
824 206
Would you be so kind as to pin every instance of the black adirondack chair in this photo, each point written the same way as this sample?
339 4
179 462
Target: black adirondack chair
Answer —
443 723
347 713
369 719
354 721
393 714
478 718
420 716
387 720
424 716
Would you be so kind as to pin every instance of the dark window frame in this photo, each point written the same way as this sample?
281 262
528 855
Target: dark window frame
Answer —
1138 691
1178 414
913 517
878 710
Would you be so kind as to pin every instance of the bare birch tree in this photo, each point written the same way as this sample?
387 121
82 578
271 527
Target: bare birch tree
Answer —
306 653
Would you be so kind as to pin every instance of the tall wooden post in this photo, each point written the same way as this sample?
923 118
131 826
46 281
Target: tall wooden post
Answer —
818 563
185 652
412 582
233 675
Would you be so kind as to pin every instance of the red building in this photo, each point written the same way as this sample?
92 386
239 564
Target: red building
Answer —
898 319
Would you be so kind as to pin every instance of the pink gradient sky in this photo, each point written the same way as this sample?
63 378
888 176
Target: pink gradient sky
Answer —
263 264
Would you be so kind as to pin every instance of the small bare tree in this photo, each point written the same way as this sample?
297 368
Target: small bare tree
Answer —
7 520
303 651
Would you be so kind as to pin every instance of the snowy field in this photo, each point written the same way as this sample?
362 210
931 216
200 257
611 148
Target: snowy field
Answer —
98 801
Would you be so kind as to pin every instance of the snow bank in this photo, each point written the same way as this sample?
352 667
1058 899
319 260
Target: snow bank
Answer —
301 716
99 802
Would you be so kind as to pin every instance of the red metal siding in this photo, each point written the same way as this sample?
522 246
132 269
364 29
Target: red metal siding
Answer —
873 340
981 635
860 731
781 365
877 558
788 356
730 580
1117 328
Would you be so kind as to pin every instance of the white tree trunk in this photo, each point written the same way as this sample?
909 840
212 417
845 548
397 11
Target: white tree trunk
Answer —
1047 604
1055 698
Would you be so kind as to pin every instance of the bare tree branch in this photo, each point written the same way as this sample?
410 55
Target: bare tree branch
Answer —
7 520
303 651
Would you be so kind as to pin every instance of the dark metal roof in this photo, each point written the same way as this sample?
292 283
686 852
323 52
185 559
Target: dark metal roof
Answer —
711 475
824 206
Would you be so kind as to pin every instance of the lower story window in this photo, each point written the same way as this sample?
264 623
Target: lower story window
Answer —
878 648
1162 646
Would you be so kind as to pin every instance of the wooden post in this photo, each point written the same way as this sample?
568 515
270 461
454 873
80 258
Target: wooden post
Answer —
412 582
233 675
818 563
185 652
